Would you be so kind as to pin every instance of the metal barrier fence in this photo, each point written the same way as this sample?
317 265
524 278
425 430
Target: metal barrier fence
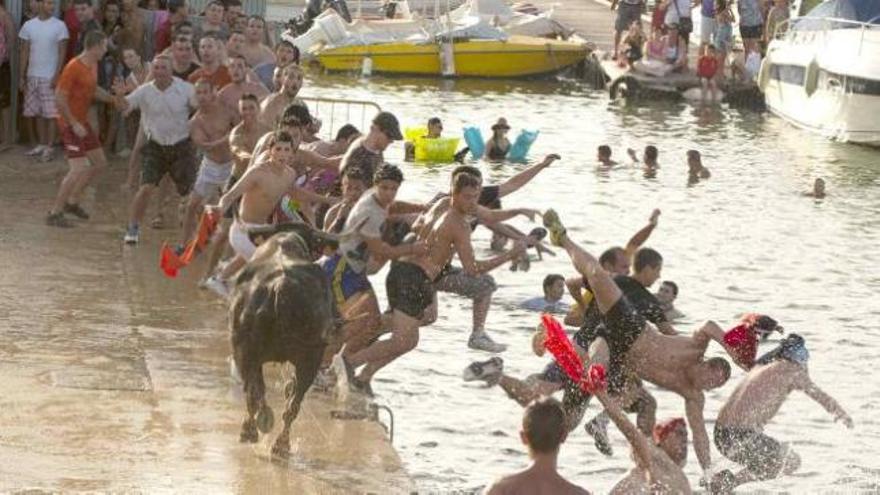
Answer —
335 112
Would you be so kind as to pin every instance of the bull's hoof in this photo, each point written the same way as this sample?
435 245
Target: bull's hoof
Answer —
265 419
281 449
249 432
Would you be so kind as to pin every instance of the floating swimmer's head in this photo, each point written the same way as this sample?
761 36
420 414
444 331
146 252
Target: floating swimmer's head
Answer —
672 436
712 373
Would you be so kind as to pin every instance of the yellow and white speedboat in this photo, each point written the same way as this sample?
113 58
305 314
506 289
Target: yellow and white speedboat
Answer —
515 56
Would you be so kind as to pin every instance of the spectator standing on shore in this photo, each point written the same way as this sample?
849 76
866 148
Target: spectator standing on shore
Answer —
7 44
778 14
85 17
723 39
707 21
628 12
751 24
212 68
43 45
680 26
707 68
212 23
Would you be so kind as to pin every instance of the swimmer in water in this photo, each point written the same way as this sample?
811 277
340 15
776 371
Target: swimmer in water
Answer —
696 169
435 130
667 294
649 164
543 431
551 301
603 155
739 429
498 145
818 191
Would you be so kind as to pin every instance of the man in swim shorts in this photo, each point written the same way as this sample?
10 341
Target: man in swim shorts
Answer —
739 429
628 345
410 282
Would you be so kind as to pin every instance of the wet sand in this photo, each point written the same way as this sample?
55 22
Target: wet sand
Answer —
114 378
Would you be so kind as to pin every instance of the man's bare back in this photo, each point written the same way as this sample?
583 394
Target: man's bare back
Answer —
529 482
665 359
273 106
665 478
215 122
439 229
759 396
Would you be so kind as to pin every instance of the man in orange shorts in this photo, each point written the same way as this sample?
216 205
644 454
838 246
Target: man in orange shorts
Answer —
76 89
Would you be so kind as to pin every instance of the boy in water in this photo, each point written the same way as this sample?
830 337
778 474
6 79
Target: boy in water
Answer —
667 294
603 155
543 431
551 301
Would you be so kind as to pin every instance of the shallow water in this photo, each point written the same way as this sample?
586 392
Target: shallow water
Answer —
745 240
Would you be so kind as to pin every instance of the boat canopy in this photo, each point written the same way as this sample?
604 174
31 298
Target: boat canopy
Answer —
834 14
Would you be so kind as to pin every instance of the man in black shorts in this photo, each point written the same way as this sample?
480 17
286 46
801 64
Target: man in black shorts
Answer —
739 429
410 283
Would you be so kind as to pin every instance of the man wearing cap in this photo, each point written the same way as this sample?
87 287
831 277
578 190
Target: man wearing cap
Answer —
739 429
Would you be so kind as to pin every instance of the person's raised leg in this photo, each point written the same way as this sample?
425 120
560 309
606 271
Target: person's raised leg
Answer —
366 322
97 163
604 289
404 338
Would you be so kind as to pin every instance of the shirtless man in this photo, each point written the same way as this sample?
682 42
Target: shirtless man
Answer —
234 44
630 345
212 23
239 86
274 104
818 190
259 188
649 165
543 432
209 129
603 156
410 282
286 54
254 50
696 169
739 429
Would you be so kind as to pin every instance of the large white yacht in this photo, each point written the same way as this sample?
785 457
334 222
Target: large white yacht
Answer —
823 72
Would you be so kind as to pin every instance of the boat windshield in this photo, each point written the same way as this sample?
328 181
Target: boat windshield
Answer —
858 11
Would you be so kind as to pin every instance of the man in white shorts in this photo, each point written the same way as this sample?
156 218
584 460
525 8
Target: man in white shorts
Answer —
43 45
209 129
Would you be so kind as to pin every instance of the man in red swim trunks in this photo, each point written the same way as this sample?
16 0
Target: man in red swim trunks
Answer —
76 89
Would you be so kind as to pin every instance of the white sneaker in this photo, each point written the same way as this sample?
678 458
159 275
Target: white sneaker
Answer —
218 286
47 154
482 342
36 150
488 371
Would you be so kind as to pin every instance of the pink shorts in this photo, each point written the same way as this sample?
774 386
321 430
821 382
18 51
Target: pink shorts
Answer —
39 99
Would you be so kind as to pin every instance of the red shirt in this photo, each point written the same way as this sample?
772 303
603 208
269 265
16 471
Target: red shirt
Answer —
707 66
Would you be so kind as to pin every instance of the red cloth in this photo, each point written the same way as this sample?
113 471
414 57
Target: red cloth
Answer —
563 351
707 66
171 263
744 341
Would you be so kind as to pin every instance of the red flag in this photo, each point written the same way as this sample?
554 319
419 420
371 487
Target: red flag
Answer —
169 261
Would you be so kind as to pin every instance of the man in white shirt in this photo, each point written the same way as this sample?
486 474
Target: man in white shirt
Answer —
43 46
165 104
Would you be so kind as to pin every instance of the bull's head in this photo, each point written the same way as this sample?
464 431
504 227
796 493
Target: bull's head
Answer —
298 240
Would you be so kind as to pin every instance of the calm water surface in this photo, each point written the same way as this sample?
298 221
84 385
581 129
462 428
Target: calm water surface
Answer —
746 240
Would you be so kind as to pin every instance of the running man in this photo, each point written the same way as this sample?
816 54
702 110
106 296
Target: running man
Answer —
543 432
260 189
242 141
273 106
739 429
76 89
629 345
240 86
410 282
209 128
347 269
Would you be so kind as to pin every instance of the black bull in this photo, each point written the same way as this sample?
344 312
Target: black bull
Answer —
282 311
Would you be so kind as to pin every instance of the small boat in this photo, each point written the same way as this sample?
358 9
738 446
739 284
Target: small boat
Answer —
823 72
515 56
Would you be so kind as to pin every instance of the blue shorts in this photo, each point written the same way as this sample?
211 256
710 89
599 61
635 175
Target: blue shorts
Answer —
344 282
553 373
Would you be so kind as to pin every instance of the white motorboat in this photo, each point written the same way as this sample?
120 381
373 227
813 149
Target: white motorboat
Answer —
822 71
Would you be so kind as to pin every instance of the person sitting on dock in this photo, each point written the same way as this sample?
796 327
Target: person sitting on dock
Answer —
707 68
696 169
603 155
818 191
543 431
498 145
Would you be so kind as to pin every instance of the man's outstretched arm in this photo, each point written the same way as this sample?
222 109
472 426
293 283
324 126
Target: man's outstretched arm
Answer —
694 409
824 400
641 237
517 181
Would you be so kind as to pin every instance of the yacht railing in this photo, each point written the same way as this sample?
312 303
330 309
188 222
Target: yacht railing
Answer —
818 27
336 112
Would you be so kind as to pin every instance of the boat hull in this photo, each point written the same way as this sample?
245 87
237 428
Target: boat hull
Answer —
519 56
